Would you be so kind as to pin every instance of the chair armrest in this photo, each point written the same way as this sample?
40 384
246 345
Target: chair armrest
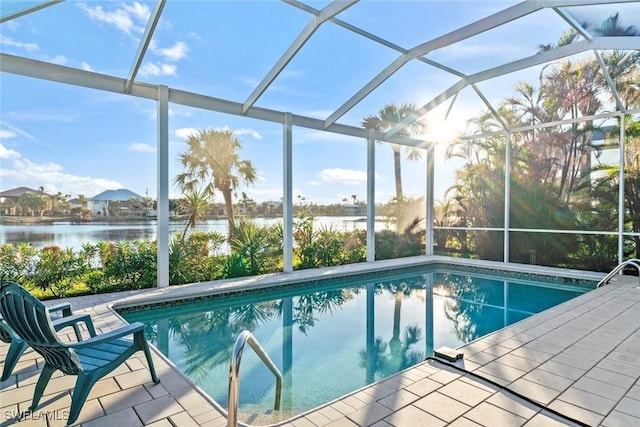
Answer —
64 307
134 328
63 322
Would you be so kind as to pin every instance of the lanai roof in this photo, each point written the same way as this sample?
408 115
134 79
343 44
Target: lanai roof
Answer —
383 52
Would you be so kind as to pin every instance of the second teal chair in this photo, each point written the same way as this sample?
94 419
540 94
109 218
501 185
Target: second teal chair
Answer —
90 359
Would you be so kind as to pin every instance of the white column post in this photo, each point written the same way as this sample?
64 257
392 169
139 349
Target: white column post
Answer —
429 200
621 190
507 195
287 201
371 197
163 187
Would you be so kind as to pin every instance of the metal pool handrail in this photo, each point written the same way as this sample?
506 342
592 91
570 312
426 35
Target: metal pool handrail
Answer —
246 337
635 262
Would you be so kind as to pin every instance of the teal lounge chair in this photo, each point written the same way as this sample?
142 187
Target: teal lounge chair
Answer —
90 359
60 315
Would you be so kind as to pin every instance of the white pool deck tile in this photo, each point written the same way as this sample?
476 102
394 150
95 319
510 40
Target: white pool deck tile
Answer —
579 360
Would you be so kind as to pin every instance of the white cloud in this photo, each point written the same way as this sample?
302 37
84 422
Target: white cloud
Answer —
313 183
339 176
20 171
142 148
58 59
86 66
248 131
467 49
8 153
11 25
138 10
8 41
173 53
121 18
179 112
41 116
305 137
5 134
14 131
185 133
152 69
264 193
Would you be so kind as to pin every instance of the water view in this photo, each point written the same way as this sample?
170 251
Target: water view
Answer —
73 235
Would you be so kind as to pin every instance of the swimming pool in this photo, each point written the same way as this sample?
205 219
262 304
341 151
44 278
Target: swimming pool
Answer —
332 337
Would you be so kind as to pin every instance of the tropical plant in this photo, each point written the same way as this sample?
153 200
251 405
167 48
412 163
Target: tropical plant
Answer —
388 117
33 203
193 208
16 262
133 265
251 241
56 269
212 160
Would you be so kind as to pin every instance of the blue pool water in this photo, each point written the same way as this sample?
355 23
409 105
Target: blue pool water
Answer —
331 339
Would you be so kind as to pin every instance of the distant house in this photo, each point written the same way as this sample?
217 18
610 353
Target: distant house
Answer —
118 199
10 200
75 203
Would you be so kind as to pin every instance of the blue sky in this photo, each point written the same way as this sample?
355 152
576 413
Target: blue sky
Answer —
81 141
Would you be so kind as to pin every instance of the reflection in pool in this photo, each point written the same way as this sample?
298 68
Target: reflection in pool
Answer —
329 340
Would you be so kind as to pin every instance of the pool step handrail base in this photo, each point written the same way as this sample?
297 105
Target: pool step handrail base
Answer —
633 262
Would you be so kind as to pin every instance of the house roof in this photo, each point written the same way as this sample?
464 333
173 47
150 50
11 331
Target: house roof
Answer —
19 191
120 195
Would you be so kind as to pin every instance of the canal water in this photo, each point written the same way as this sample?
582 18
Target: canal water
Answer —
73 235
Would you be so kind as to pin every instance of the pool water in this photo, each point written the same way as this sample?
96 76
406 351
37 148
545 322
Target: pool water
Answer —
329 340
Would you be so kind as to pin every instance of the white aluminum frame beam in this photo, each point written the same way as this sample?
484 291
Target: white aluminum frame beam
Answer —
73 76
573 23
600 43
475 28
371 197
490 107
325 14
373 37
144 43
287 192
610 83
28 10
162 196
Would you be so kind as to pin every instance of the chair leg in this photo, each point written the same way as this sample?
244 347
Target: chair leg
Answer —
80 393
45 376
152 369
16 348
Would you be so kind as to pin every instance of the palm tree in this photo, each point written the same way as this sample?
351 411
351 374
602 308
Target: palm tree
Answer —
212 160
389 116
613 27
567 37
194 208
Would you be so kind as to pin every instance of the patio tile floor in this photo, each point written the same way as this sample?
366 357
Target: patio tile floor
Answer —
580 360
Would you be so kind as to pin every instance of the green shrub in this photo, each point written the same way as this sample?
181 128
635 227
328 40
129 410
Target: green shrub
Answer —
132 266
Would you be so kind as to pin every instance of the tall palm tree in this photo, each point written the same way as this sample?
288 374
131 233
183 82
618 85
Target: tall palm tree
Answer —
212 160
388 117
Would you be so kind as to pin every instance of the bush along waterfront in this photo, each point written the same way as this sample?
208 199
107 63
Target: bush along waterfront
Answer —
55 272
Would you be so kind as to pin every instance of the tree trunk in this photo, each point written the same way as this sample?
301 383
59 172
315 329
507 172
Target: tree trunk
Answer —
228 203
398 171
